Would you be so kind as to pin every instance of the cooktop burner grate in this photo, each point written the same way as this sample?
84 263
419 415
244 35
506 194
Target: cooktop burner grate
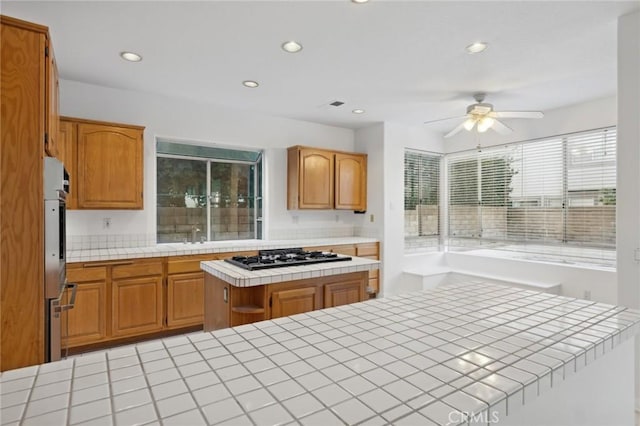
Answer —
278 258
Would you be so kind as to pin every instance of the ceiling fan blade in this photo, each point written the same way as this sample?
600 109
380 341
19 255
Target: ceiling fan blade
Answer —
517 114
501 128
460 117
456 130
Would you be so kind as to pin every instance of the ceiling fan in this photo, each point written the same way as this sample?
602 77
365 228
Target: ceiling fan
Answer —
482 116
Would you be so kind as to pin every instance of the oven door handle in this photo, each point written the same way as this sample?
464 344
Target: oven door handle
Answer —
74 288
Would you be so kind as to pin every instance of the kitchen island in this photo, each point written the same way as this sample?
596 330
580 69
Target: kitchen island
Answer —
235 296
473 350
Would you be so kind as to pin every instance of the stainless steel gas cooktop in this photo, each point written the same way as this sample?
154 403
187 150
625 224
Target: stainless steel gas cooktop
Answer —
284 257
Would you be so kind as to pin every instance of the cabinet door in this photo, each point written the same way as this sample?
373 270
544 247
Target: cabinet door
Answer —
136 305
52 103
351 182
343 293
67 153
296 301
185 299
86 323
316 179
109 167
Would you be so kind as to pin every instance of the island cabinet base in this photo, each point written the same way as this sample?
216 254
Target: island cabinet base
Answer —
226 305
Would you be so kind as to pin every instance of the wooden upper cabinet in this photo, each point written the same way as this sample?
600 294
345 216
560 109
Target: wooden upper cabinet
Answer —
109 166
67 153
52 102
311 174
351 181
321 179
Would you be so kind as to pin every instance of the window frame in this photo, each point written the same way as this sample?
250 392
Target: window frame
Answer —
258 181
413 243
602 172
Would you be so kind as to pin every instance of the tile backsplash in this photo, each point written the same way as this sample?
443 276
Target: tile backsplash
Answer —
91 242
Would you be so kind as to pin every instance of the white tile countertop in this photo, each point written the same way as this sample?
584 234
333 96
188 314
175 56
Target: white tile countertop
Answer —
409 359
239 277
180 249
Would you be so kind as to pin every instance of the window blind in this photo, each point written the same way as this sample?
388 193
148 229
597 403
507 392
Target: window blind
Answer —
421 200
553 197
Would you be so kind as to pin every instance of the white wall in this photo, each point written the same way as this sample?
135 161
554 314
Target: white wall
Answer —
371 141
628 189
186 120
397 137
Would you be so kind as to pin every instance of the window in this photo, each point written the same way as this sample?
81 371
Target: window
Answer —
552 197
209 193
421 200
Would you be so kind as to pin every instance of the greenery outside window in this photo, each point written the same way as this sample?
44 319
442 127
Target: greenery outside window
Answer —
421 200
207 193
551 198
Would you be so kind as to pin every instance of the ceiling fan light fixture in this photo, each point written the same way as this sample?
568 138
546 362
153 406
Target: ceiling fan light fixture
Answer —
469 123
485 124
477 47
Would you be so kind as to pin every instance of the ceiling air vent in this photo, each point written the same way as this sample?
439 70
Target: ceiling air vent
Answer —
336 103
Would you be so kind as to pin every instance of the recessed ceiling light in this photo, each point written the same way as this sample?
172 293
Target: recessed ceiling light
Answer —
130 56
358 111
359 1
477 47
291 46
250 83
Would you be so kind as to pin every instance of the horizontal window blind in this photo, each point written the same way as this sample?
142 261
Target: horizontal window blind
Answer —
554 197
421 200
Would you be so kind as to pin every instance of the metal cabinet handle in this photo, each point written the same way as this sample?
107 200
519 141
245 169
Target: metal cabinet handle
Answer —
72 302
225 295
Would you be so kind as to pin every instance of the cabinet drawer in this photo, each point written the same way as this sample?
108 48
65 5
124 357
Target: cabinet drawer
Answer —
81 274
137 270
364 250
188 263
345 249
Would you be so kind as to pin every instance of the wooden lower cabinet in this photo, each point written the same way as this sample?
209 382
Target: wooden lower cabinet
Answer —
86 323
229 306
366 250
343 293
294 301
185 299
137 305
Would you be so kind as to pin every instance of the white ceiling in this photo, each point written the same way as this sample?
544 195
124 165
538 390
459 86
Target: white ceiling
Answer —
400 61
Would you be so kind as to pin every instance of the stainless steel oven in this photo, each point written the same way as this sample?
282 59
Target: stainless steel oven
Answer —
59 294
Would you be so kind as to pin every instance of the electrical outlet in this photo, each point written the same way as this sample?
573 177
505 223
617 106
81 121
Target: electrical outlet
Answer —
587 295
371 218
106 223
